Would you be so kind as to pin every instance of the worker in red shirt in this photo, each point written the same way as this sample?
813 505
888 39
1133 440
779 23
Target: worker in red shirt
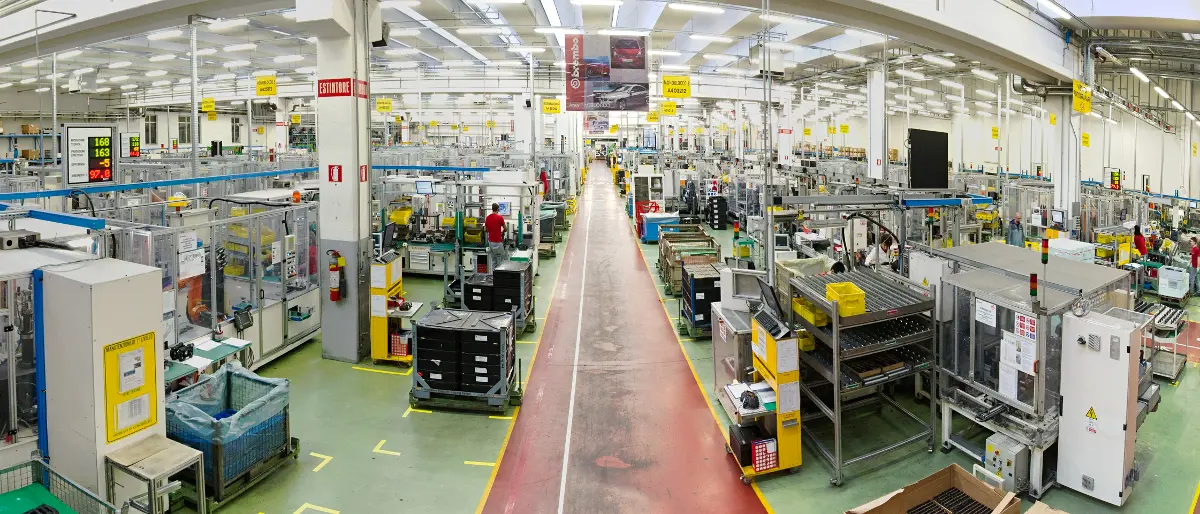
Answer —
1139 241
496 228
1195 262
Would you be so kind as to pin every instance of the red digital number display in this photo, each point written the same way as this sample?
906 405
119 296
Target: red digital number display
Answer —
99 159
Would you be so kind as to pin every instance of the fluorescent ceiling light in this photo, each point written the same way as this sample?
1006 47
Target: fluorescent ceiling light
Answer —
1095 115
101 81
923 91
288 58
163 57
678 67
281 80
780 45
159 83
69 54
939 111
307 70
983 105
264 73
119 78
205 51
731 71
41 90
31 63
950 84
954 98
711 38
129 86
29 80
984 74
890 102
606 3
935 103
236 64
909 74
220 25
156 73
236 48
6 84
721 57
671 53
119 64
103 89
55 76
856 96
905 98
891 85
831 85
225 76
985 93
1055 10
1015 101
1177 105
558 30
1114 122
526 49
1138 73
1160 92
850 57
1190 116
938 60
696 8
5 69
480 30
82 71
399 4
168 34
775 18
260 100
396 51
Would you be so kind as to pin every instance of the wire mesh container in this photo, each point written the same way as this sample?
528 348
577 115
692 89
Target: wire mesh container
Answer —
27 486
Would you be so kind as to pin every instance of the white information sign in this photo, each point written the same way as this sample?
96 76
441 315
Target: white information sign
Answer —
985 313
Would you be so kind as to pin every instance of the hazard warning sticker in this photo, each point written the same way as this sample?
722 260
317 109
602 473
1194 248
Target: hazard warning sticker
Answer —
1091 422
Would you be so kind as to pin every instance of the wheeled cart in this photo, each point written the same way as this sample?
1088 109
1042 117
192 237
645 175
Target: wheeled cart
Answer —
465 360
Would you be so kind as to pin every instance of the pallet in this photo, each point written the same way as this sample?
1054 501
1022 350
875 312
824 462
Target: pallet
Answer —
495 403
692 331
394 362
187 495
546 250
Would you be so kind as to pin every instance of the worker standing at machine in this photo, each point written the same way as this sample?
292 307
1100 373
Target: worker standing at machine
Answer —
496 228
880 254
1195 258
1139 240
1016 233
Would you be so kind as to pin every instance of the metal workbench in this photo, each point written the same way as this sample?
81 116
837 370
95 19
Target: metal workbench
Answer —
894 339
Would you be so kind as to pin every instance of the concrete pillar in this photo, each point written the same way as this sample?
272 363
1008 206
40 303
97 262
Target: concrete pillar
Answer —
283 113
739 141
786 135
1064 153
522 124
876 122
343 29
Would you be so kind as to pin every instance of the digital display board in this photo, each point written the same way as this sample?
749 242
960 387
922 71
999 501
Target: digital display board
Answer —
90 154
131 144
1114 179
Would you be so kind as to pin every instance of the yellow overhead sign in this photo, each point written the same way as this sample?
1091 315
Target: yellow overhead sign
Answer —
383 105
845 129
399 119
490 124
995 132
832 129
208 105
613 129
1081 99
1085 139
807 131
453 126
668 109
295 119
676 86
1053 119
652 117
212 116
551 106
265 86
433 123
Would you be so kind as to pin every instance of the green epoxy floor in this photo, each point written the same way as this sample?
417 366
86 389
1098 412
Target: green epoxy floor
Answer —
344 413
433 462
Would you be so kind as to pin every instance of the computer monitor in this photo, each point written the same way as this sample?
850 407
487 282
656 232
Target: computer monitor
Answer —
424 187
1058 218
769 300
505 208
782 241
387 239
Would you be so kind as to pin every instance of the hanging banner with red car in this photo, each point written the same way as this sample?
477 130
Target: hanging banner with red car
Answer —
607 73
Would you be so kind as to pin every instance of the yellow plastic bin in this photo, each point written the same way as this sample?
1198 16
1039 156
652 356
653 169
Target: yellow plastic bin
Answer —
852 301
806 341
809 312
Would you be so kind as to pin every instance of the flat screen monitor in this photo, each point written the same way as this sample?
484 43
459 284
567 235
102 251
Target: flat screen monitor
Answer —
1058 218
424 187
782 241
745 286
505 208
928 155
768 298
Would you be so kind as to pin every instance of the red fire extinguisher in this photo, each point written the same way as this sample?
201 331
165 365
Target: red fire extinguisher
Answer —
336 264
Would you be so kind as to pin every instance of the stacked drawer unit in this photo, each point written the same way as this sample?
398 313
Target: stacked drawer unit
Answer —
512 287
464 351
477 292
701 287
718 212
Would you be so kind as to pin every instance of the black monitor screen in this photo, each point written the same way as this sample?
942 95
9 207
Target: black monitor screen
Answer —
769 299
928 154
388 237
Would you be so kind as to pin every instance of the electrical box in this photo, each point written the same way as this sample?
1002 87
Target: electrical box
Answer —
928 271
1098 424
1008 459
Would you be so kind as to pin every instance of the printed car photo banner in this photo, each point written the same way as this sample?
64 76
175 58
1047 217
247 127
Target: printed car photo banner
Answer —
607 73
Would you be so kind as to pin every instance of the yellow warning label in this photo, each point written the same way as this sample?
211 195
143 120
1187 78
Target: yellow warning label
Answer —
925 282
1091 413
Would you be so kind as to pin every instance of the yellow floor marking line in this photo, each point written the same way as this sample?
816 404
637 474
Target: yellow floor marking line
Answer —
526 342
410 410
712 410
318 508
487 490
385 452
477 463
1194 498
384 371
500 417
324 460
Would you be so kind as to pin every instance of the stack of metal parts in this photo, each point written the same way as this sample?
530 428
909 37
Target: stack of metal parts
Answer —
951 501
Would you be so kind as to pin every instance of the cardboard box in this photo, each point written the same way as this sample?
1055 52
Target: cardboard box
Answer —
29 154
1042 508
952 476
29 129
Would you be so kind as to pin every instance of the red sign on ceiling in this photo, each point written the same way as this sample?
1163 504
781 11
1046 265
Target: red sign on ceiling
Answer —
334 87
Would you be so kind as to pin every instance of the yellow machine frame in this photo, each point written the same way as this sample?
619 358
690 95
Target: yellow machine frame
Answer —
392 276
777 362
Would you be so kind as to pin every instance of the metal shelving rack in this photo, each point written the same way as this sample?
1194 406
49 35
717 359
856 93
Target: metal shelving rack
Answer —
895 338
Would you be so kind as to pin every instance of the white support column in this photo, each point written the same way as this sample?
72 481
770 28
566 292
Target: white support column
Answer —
522 124
343 29
786 135
876 122
282 120
739 141
1064 147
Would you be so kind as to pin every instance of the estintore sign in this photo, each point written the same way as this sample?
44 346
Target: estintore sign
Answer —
362 173
335 172
334 87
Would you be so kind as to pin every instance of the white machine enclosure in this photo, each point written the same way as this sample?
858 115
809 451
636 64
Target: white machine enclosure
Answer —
86 307
1172 282
1099 393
